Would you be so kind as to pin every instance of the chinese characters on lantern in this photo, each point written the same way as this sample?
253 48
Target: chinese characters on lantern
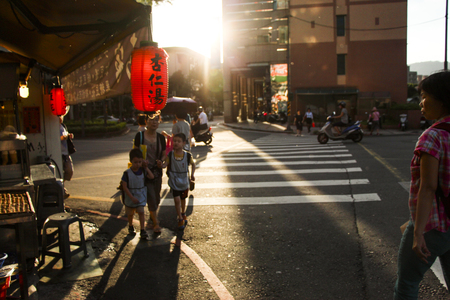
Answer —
149 86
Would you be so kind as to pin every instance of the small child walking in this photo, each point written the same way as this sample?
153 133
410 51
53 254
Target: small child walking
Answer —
135 190
178 162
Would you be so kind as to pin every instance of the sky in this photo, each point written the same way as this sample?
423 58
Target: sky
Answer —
196 23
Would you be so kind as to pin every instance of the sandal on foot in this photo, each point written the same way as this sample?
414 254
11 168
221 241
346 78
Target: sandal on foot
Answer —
182 224
157 229
144 234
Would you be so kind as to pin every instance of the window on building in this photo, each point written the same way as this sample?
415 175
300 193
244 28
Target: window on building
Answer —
280 4
341 64
313 24
282 35
377 21
263 39
340 25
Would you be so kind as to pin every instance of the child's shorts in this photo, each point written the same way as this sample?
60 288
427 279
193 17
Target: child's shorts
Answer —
181 194
131 210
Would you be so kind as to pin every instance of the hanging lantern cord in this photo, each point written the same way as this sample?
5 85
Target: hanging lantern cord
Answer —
149 21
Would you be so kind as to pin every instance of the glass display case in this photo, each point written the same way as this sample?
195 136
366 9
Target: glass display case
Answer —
14 160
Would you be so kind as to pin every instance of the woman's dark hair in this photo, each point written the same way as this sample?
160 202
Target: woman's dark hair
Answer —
438 85
135 153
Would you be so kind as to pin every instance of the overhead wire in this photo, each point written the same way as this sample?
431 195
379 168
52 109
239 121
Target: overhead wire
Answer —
335 27
364 29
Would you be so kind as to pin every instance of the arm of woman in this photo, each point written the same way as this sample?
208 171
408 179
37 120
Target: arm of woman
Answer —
429 167
137 141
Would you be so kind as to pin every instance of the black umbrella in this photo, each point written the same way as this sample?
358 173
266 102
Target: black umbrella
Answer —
178 104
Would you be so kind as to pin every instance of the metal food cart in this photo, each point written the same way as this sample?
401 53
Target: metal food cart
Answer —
18 231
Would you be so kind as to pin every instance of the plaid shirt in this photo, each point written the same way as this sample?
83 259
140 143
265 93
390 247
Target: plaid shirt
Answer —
435 142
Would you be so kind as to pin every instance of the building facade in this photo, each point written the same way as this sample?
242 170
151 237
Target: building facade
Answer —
333 50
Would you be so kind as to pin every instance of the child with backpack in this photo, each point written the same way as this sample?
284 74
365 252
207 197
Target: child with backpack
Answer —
178 161
135 190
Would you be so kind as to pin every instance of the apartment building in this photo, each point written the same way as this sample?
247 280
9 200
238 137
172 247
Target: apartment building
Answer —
184 60
333 50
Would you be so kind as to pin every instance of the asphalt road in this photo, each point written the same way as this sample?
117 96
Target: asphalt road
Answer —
273 216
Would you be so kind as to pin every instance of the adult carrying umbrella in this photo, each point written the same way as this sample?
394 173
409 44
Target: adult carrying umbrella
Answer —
179 104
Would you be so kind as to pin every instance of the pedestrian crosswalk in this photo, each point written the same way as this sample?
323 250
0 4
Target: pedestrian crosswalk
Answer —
285 171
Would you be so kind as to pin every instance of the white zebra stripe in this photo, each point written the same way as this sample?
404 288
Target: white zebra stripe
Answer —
278 172
302 199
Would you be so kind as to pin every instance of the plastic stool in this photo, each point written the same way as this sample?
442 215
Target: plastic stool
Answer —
62 222
50 200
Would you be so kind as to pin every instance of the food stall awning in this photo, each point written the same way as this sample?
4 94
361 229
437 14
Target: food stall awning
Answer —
63 35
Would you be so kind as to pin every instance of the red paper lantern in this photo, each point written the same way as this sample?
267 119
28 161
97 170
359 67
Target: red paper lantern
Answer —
149 84
58 101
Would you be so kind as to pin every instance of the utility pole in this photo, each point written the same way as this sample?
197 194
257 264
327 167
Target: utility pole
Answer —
289 104
446 29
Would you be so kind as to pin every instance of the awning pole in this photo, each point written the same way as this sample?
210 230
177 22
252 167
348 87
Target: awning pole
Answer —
149 25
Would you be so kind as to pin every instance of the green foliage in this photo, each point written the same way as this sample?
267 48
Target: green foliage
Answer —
96 126
412 90
179 84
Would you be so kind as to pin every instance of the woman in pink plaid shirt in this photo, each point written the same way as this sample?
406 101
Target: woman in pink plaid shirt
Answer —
427 235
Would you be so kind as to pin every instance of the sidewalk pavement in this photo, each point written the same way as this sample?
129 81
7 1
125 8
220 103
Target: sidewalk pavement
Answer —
281 128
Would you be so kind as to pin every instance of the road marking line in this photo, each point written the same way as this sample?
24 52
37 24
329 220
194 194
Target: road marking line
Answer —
250 185
276 147
278 163
90 198
250 153
304 199
207 272
96 176
288 156
388 166
277 172
212 279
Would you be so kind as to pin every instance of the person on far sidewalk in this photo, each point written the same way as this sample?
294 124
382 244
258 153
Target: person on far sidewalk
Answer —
298 123
308 118
66 159
142 118
375 118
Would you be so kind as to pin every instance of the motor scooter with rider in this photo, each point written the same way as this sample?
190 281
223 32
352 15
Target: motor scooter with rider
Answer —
348 132
200 129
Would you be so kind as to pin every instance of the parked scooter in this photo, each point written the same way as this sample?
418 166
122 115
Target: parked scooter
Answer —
277 118
256 117
352 132
403 122
205 136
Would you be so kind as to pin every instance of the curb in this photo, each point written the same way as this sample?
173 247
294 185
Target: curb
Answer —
101 135
254 129
366 133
